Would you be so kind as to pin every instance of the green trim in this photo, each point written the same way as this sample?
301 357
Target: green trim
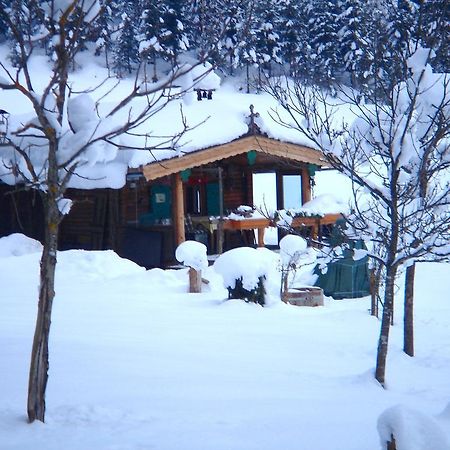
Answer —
312 168
185 174
251 157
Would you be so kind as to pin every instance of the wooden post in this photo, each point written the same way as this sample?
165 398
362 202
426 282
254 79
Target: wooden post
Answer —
195 280
178 209
220 231
306 185
261 232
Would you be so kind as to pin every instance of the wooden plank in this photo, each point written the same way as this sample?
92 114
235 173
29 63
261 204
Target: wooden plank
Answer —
246 224
261 144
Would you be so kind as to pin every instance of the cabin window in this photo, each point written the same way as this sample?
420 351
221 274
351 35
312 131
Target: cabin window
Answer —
292 191
265 191
194 201
265 199
202 198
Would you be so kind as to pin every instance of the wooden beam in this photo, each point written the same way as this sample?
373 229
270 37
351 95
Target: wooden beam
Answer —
306 185
178 209
239 146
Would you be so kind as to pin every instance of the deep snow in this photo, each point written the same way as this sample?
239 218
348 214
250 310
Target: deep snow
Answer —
136 363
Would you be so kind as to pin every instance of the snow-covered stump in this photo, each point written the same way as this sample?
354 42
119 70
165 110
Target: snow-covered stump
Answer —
193 254
195 280
402 428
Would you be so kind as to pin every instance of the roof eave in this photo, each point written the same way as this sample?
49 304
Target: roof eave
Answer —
239 146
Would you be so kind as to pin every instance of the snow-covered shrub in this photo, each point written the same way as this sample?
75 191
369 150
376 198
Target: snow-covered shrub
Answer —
244 270
294 252
412 430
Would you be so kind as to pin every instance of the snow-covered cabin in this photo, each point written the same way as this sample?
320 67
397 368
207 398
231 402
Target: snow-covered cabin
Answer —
181 192
181 197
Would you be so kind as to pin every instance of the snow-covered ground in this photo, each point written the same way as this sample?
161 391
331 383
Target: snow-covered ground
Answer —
136 363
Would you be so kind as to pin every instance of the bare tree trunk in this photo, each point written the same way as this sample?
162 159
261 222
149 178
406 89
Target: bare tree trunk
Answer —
408 319
38 376
39 355
380 370
375 274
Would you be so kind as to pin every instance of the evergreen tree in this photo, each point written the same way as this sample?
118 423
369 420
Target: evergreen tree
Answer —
267 40
126 51
104 30
150 33
433 31
354 40
290 31
4 6
24 15
205 22
324 42
247 56
305 60
173 38
229 44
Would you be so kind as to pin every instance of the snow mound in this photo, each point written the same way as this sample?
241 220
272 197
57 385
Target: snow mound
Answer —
192 254
411 429
18 244
96 264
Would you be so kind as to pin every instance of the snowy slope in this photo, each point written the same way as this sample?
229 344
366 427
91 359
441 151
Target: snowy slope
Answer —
136 363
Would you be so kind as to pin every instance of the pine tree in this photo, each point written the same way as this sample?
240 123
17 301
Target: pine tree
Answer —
290 31
4 6
229 44
126 51
305 63
150 33
324 59
354 40
104 30
205 22
433 31
267 40
247 56
173 38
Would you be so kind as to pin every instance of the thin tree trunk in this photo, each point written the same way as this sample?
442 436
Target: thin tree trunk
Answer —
38 376
374 290
380 370
247 71
39 365
408 319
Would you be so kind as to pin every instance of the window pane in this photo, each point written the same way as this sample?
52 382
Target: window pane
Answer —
292 191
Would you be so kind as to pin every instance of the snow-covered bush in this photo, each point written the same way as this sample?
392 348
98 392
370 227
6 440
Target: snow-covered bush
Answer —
294 252
244 270
412 430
